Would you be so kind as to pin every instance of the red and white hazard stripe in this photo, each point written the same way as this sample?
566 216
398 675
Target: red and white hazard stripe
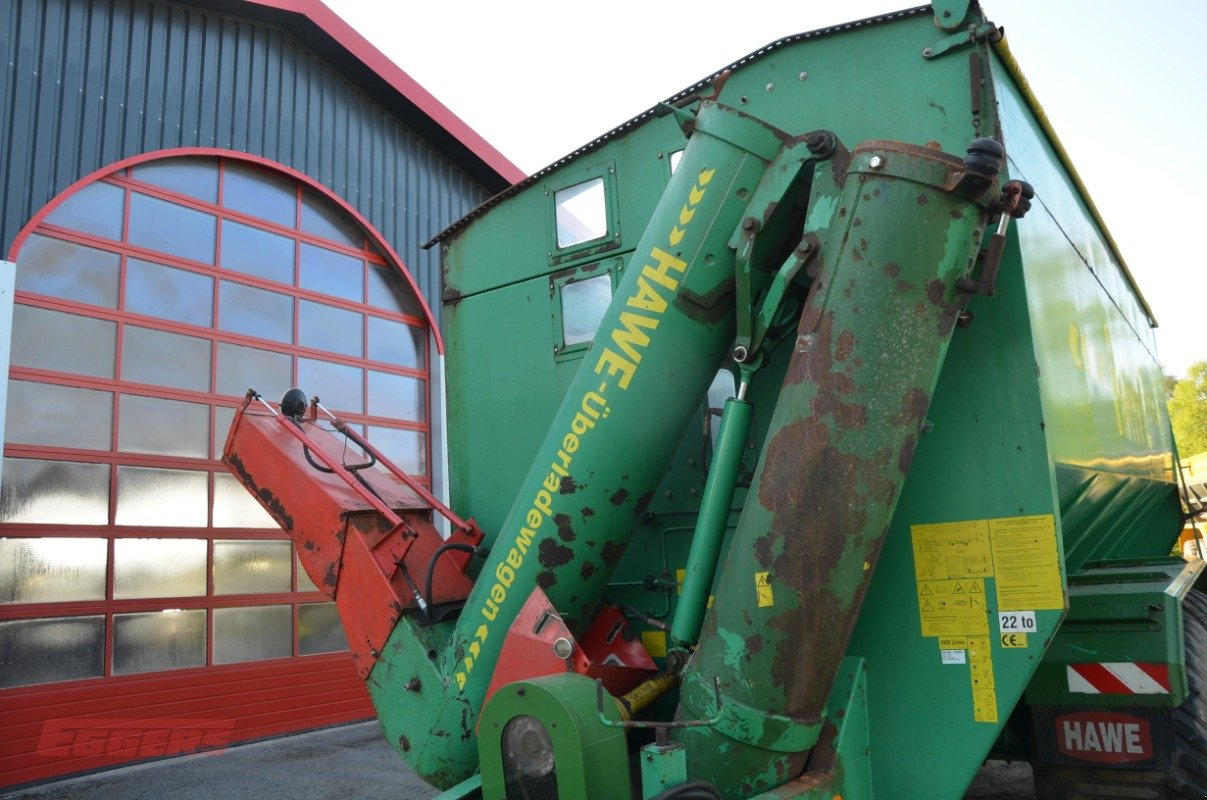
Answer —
1118 677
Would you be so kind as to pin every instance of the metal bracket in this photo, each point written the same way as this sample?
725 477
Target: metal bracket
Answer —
950 14
973 33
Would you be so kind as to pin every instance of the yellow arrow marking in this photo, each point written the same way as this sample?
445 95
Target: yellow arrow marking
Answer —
685 215
706 176
696 195
676 236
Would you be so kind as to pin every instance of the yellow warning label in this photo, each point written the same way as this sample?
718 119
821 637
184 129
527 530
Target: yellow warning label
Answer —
952 550
680 574
762 589
654 642
953 608
1013 640
953 643
1026 563
984 692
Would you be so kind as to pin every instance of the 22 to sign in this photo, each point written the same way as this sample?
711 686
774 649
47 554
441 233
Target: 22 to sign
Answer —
1016 621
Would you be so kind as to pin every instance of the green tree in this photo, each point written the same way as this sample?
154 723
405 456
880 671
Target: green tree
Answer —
1188 411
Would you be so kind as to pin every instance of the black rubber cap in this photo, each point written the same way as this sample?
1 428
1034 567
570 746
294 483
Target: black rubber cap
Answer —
985 158
293 403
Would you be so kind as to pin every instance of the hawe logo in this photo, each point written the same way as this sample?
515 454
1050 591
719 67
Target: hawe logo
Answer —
140 738
1103 736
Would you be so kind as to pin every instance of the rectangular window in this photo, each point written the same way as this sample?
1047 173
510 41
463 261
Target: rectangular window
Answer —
252 634
54 492
257 252
234 507
169 293
340 387
397 343
251 567
325 327
584 303
58 416
332 273
49 650
71 271
304 582
407 449
163 427
319 629
241 368
259 192
156 640
44 339
158 568
52 569
582 213
162 497
255 312
165 359
173 229
397 397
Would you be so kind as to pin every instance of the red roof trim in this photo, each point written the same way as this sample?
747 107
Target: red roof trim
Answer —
347 37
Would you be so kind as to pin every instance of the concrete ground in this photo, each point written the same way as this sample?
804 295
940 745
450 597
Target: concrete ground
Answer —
351 762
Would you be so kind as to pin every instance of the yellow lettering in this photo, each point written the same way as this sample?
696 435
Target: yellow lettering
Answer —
647 298
631 337
514 559
498 593
550 482
544 503
505 574
533 519
616 363
570 443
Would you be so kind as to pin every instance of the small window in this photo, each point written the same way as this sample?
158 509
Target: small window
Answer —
252 634
234 507
580 299
143 493
50 650
319 629
675 158
158 568
163 427
176 294
250 566
582 213
147 642
52 569
46 339
54 492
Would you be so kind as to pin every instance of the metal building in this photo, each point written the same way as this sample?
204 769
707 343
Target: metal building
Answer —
197 197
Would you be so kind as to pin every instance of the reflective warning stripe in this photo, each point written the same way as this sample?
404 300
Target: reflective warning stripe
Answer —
1118 677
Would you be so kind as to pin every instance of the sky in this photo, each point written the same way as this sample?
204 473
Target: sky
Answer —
1121 82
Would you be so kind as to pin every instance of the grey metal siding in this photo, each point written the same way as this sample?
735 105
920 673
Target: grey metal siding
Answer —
90 82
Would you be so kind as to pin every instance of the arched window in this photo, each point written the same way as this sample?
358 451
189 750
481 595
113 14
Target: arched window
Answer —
148 301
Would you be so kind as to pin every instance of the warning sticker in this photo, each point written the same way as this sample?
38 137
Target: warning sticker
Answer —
984 692
953 607
952 550
1026 563
654 643
762 589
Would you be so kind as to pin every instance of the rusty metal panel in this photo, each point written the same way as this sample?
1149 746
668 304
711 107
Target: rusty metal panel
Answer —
87 83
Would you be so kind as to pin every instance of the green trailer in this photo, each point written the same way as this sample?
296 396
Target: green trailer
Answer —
815 447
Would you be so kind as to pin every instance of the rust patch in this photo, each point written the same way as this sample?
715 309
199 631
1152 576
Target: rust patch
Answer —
754 645
846 415
587 511
269 500
568 486
957 213
892 269
591 543
611 553
619 496
905 286
863 245
922 199
551 554
913 405
643 503
331 576
564 531
587 570
855 223
906 457
844 346
546 580
936 292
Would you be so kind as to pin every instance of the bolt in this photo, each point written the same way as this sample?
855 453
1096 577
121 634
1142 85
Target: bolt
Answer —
563 648
740 354
876 162
927 53
412 685
743 99
947 13
804 76
770 87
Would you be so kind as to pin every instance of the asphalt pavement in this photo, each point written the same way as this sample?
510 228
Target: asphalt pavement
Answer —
350 762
